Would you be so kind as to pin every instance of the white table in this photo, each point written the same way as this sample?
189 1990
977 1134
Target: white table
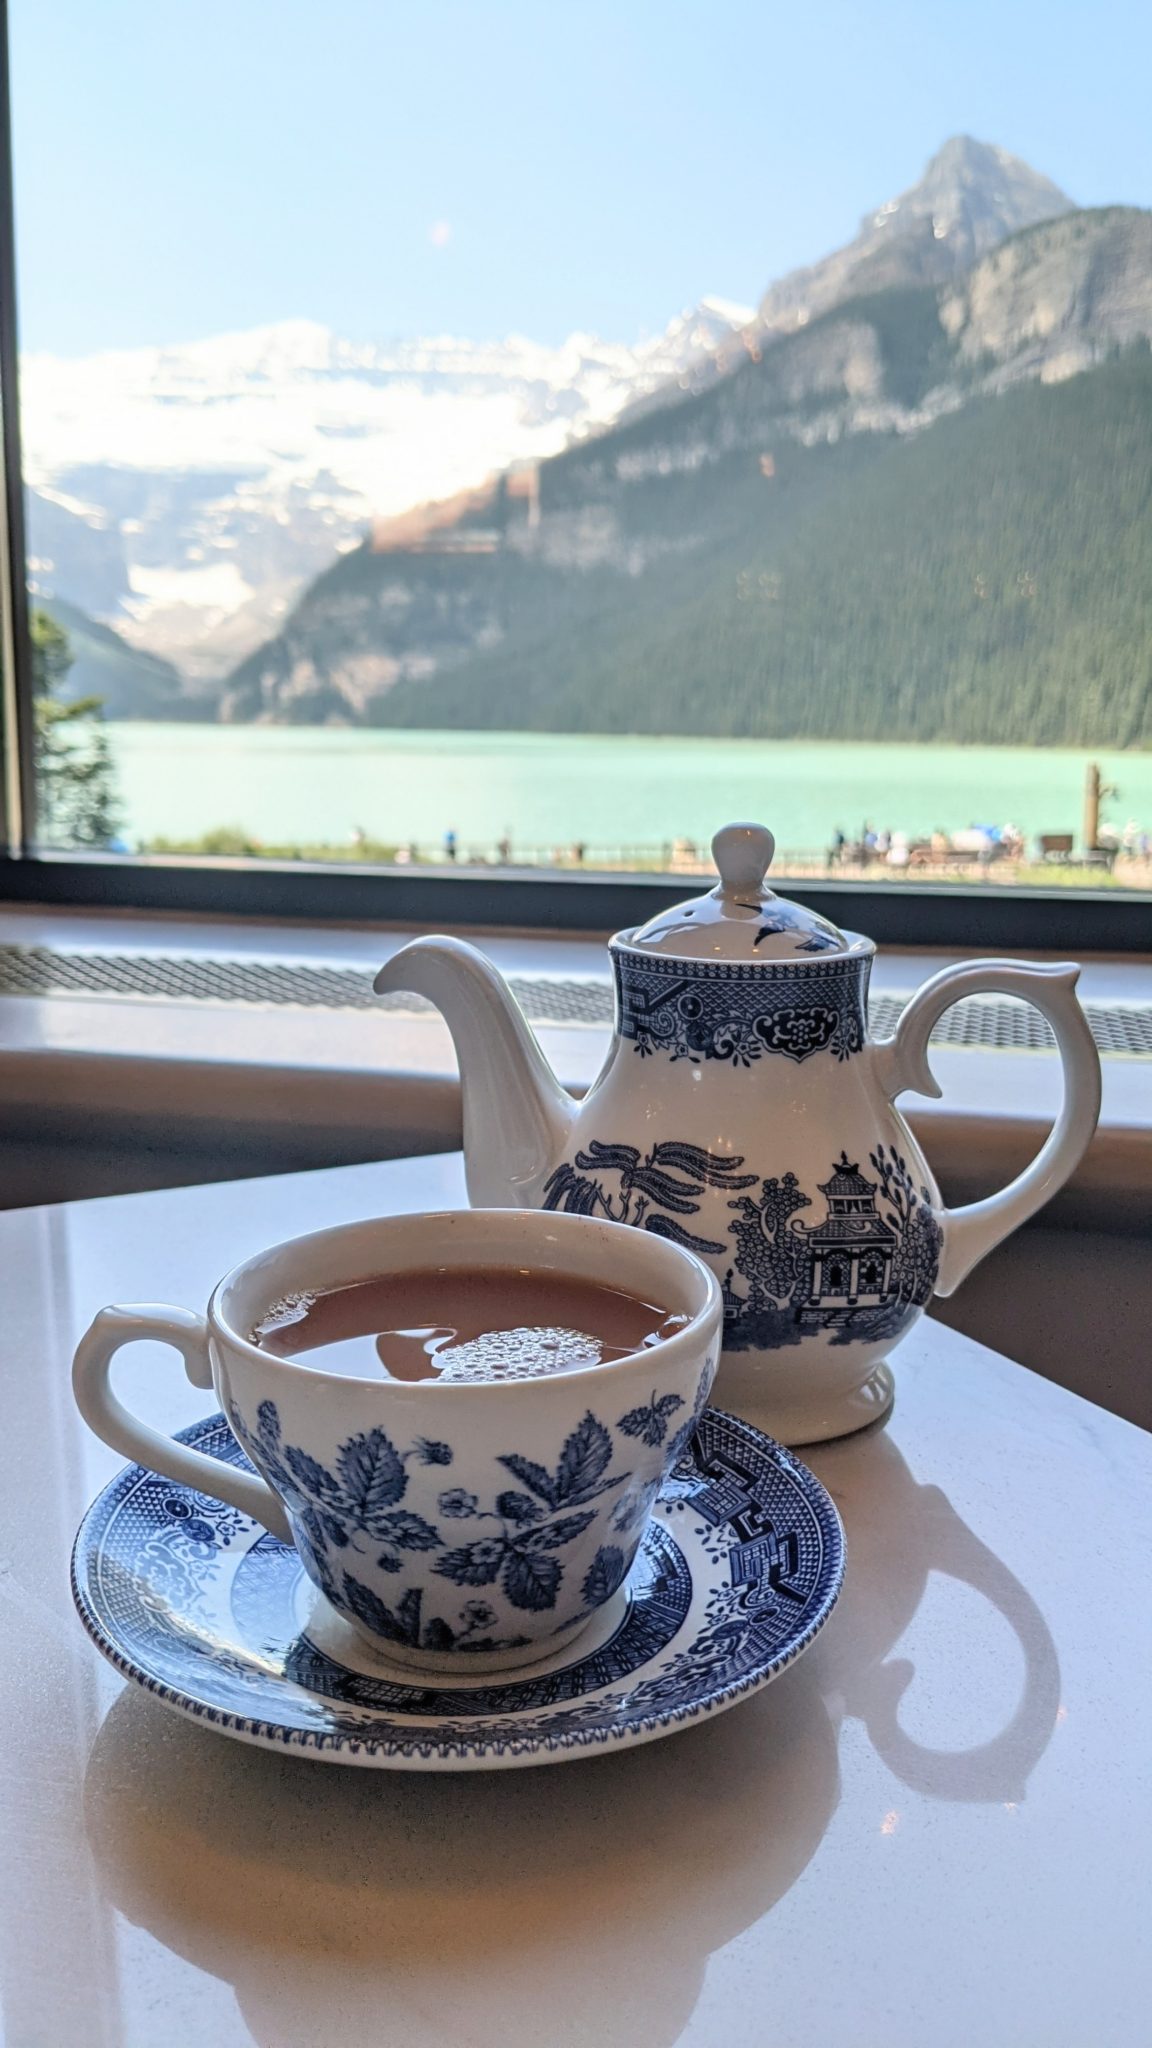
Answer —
932 1832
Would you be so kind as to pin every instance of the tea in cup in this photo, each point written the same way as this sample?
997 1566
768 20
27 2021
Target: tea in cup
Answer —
461 1421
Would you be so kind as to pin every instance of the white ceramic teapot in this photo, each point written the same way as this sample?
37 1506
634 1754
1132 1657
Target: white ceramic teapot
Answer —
743 1111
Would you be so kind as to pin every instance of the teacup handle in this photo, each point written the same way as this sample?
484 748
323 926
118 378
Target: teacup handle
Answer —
116 1425
972 1231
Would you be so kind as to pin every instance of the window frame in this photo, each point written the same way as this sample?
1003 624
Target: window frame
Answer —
1080 920
989 919
17 728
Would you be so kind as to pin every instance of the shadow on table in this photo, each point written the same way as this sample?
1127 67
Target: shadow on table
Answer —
898 1532
577 1903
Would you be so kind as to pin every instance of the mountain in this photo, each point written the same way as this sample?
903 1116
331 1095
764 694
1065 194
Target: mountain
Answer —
185 495
440 531
924 513
970 198
1054 301
130 683
988 580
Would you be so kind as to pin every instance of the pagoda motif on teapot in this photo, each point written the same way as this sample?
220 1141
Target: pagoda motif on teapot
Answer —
857 1271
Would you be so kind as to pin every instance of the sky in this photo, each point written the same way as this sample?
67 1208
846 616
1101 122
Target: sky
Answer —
484 167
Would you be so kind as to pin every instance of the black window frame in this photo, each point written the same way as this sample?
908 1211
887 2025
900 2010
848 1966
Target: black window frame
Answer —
943 916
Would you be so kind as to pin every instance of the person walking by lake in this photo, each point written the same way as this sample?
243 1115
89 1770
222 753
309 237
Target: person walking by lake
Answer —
450 843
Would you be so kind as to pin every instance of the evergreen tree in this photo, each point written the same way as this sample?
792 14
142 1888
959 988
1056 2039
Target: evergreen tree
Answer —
75 773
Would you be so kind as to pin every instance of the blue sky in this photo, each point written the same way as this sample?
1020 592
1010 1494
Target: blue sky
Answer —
484 166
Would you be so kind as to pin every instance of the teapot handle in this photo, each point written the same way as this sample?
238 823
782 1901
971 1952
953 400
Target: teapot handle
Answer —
971 1232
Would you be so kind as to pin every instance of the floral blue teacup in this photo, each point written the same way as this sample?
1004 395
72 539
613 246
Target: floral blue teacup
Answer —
455 1525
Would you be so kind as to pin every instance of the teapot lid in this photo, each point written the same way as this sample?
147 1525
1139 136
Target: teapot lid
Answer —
741 918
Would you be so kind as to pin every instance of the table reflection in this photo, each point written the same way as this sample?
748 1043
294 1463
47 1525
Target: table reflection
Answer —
354 1906
470 1906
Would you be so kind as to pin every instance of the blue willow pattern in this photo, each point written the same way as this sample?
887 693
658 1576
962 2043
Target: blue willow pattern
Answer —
863 1271
772 1563
739 1012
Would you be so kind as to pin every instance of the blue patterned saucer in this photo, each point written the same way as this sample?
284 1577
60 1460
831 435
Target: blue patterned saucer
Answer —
740 1567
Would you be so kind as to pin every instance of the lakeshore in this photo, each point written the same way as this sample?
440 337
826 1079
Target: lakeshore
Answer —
545 795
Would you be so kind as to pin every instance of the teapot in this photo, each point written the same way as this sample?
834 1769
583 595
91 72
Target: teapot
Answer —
743 1111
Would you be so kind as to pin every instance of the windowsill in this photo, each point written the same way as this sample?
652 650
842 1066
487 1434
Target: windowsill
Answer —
226 1075
1104 977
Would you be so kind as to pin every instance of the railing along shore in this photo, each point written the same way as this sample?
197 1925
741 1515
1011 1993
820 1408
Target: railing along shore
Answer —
1101 867
1132 871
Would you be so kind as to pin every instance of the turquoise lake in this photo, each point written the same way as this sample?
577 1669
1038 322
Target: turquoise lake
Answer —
323 784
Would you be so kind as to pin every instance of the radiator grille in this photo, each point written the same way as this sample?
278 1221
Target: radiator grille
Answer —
994 1022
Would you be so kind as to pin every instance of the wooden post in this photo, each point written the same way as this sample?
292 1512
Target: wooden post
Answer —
1092 790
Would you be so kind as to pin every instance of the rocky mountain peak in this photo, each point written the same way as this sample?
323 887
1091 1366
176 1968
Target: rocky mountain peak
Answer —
971 196
975 195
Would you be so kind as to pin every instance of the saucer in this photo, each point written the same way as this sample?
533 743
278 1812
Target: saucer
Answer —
739 1569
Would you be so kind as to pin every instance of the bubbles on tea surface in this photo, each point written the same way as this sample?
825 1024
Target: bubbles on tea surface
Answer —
290 1309
467 1325
526 1353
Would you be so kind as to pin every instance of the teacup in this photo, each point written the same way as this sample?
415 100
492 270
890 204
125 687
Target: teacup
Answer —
455 1525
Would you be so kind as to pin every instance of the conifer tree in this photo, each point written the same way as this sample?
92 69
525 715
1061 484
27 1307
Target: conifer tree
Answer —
75 773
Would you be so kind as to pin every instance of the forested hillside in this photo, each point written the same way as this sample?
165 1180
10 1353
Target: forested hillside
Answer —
990 579
924 515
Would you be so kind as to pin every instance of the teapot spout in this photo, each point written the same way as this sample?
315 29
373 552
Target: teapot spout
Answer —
516 1114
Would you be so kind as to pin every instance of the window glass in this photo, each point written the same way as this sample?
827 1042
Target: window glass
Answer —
535 436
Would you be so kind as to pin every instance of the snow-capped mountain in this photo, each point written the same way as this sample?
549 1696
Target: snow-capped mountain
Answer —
184 495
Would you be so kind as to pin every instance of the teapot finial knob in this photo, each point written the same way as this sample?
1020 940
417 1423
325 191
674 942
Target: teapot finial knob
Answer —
742 854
